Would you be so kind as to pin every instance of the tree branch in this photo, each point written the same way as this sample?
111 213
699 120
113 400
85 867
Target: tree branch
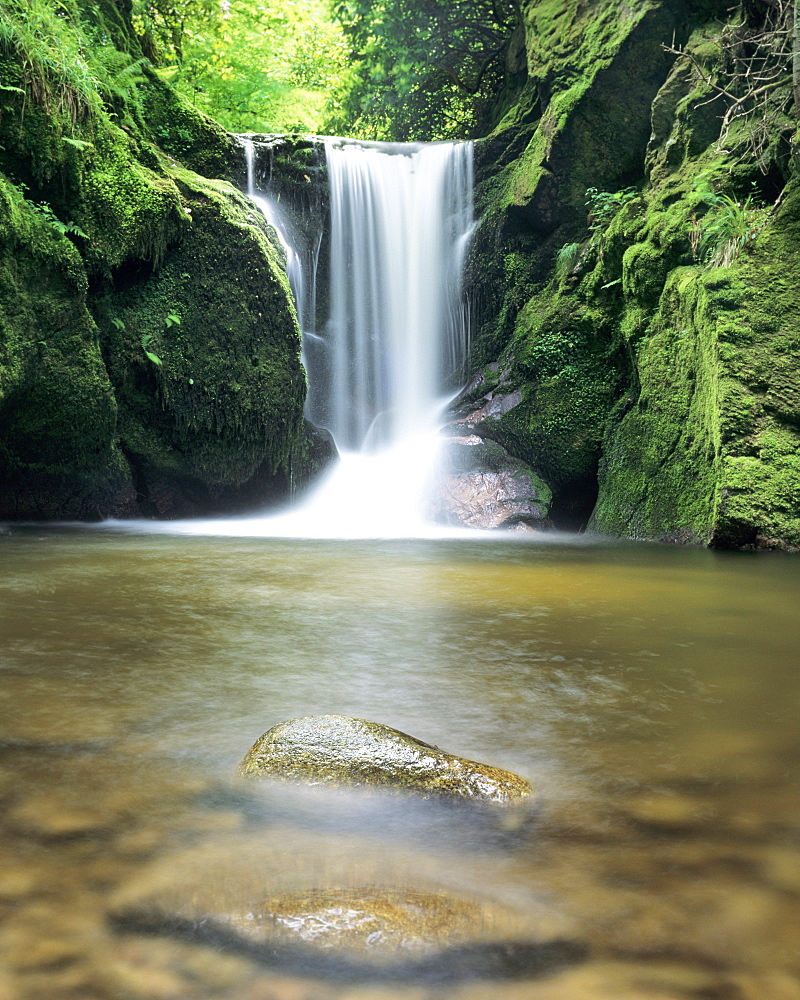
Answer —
473 90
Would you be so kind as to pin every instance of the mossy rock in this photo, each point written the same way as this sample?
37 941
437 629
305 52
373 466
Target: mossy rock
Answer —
660 465
339 750
651 379
186 133
113 254
221 407
58 455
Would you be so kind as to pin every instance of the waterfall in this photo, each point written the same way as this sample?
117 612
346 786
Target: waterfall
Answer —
396 338
395 344
394 347
303 293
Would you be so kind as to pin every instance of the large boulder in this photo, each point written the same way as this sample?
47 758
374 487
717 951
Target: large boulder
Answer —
478 492
339 750
149 345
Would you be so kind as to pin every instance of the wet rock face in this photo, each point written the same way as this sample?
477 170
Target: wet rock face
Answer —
481 485
484 487
339 750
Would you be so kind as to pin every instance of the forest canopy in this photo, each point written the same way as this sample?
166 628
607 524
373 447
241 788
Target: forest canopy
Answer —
422 69
253 65
378 69
382 69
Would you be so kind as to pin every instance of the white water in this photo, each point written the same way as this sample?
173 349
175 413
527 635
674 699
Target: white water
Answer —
396 336
271 211
395 344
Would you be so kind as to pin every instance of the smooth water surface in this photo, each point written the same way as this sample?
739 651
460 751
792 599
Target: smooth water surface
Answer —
650 694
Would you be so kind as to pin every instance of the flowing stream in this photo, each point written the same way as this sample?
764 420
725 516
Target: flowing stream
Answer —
650 694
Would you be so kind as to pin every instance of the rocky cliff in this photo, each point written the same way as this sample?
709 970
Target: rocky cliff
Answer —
632 274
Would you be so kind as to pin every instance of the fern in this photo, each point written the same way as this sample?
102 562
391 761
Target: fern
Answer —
78 144
44 211
566 259
48 41
604 205
727 228
144 340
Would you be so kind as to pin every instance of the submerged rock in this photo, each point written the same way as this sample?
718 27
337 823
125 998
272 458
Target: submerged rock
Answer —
378 932
339 750
371 920
345 906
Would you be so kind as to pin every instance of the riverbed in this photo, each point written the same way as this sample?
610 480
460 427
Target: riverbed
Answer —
649 693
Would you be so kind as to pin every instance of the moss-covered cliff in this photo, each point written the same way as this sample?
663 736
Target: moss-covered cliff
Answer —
149 349
633 275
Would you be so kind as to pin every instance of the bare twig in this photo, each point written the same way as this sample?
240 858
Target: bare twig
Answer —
756 62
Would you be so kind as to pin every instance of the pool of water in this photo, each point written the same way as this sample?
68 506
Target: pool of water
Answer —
650 694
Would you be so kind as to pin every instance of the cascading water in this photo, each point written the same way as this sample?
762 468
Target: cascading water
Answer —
395 343
275 217
397 335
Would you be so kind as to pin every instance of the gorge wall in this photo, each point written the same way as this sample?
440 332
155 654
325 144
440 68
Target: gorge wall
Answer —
647 375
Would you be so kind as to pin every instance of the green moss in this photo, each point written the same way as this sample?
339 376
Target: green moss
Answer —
228 395
644 271
57 410
659 472
759 485
84 413
128 210
586 135
338 750
184 132
760 501
681 375
569 373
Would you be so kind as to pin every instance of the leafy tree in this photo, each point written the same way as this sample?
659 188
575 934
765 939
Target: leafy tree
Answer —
254 66
421 69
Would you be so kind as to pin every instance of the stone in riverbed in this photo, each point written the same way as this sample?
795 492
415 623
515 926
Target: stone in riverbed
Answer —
374 931
350 906
339 750
401 932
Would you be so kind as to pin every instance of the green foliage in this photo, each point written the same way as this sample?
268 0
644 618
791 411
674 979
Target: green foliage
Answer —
566 259
604 205
252 66
44 211
145 340
51 45
727 228
420 69
67 64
